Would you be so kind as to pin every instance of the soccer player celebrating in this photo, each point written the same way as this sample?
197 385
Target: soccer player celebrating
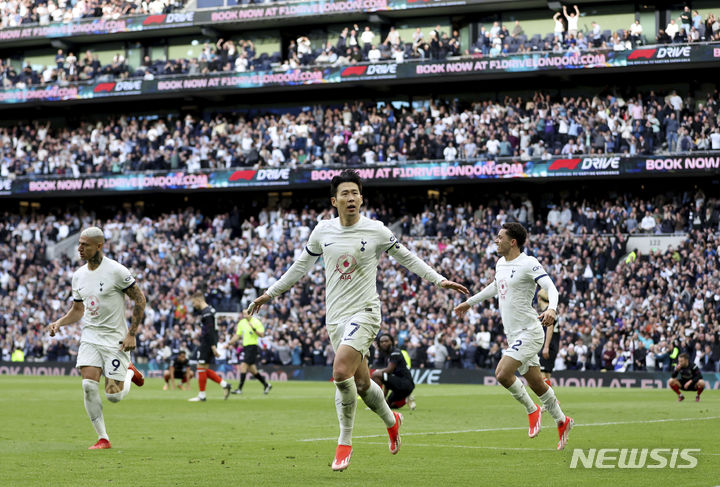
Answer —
392 372
207 351
99 288
517 276
180 370
351 246
686 377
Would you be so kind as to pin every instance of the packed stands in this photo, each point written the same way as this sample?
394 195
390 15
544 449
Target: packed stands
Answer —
610 303
357 133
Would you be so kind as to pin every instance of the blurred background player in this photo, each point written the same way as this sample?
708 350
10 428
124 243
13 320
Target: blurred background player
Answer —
207 351
180 370
551 345
686 377
98 290
251 329
391 371
517 276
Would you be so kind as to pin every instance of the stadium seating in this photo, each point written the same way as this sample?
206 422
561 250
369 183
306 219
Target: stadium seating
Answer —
608 303
15 13
365 134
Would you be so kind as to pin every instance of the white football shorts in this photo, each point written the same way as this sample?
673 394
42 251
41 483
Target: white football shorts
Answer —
524 347
358 331
113 361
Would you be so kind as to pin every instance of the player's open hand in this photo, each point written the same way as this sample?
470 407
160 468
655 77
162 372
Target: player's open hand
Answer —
454 286
548 316
461 309
129 344
257 304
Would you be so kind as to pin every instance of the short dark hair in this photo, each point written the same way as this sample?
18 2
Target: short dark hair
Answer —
516 231
347 176
687 357
386 334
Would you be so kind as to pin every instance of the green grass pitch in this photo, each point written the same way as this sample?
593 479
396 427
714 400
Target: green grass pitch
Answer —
459 435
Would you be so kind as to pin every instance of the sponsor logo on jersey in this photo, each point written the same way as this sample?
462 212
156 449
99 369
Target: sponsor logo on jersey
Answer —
92 305
346 265
502 286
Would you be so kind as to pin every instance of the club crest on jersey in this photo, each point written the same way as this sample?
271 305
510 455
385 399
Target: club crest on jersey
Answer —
512 273
101 286
92 305
363 243
346 265
502 288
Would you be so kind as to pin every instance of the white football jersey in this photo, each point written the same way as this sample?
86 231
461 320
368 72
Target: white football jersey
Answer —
516 283
101 291
351 255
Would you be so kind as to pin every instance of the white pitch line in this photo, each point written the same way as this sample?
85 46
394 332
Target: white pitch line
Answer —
475 447
464 446
485 430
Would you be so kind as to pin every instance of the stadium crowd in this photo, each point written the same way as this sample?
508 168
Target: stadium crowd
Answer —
619 312
353 45
527 129
17 13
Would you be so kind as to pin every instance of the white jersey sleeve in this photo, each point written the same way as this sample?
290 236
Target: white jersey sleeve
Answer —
123 278
313 250
490 291
407 259
535 269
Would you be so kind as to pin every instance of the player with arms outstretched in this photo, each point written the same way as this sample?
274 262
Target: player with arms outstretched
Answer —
98 289
351 246
517 276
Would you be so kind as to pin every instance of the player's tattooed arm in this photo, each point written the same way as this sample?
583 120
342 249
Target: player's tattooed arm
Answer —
138 297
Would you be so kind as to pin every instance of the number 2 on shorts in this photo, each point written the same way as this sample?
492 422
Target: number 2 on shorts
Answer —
516 345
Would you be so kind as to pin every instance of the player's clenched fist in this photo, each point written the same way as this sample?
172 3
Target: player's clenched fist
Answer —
53 328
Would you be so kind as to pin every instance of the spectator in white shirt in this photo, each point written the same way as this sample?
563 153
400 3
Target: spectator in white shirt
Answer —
450 152
374 54
636 31
648 223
